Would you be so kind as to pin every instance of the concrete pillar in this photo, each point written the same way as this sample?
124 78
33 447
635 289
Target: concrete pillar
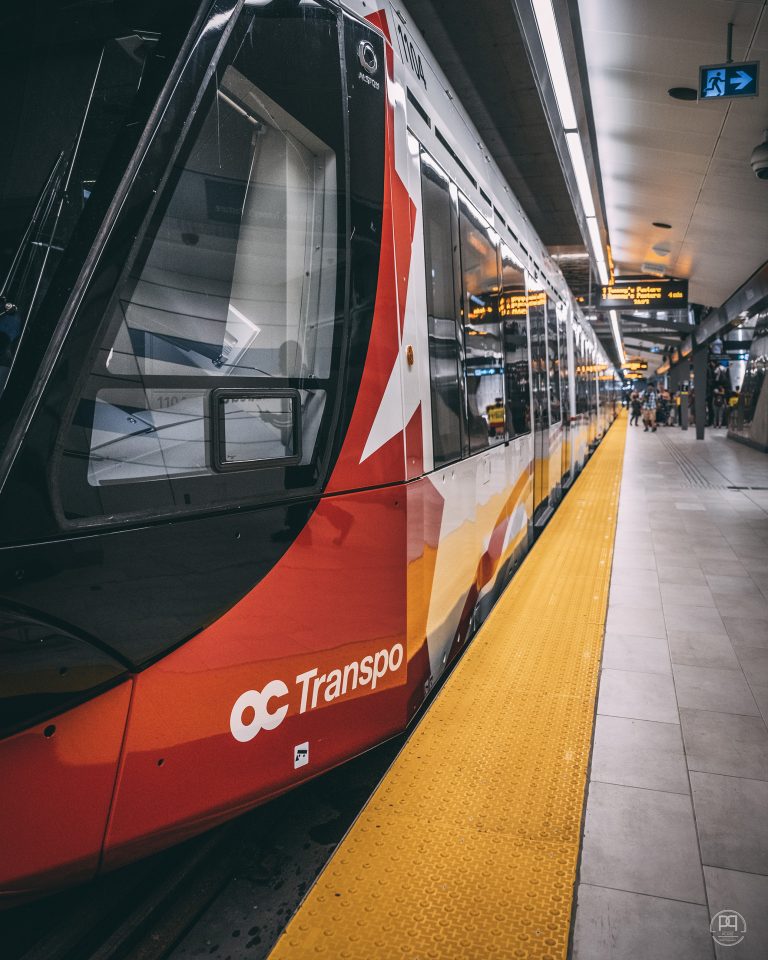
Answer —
700 355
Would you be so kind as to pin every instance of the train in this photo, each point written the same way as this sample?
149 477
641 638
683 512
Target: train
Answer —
289 386
748 422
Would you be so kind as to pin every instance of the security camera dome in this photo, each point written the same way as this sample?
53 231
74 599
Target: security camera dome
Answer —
759 158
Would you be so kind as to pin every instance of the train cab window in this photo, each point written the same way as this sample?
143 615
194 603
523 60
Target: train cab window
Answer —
444 345
238 282
513 313
483 348
553 359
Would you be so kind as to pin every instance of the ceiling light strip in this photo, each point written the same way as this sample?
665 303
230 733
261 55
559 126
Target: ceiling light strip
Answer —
579 163
553 51
617 336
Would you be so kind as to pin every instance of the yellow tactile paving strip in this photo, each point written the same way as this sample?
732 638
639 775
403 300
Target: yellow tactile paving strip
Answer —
468 848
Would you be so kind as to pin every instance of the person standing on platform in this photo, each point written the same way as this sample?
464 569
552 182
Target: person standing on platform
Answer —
719 405
733 402
662 407
636 408
649 409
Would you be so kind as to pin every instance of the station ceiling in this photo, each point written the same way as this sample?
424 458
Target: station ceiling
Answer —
684 163
672 161
484 57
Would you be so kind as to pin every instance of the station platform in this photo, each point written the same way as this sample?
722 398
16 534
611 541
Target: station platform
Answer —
592 779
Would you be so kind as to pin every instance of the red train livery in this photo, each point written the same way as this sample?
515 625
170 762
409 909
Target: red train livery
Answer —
288 382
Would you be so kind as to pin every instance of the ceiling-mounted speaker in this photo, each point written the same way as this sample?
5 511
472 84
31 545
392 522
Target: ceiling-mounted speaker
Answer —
656 269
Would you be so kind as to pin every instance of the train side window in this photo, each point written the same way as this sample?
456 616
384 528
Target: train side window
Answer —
238 282
582 399
514 316
444 345
483 348
562 338
537 315
553 358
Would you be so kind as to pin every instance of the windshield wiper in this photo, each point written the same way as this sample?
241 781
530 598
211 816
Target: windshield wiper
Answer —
45 201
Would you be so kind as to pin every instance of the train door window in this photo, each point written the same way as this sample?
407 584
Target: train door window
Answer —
444 345
537 315
582 398
513 312
592 378
553 359
483 347
238 282
562 343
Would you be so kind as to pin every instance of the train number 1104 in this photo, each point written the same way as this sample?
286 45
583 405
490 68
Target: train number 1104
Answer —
410 55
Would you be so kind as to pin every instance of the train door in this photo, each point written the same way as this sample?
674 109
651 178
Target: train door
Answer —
517 368
555 401
454 560
537 315
565 387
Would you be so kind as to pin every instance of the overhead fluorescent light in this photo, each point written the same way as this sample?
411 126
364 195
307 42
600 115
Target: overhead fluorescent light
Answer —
553 51
602 272
573 139
595 238
617 336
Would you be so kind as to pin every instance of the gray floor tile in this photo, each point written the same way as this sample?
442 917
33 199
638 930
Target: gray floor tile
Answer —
635 560
714 551
748 894
691 593
754 607
749 549
742 630
636 619
637 593
643 841
732 822
761 579
702 650
760 693
616 925
644 654
639 753
639 696
685 616
714 567
731 586
633 578
672 538
712 688
754 662
725 743
685 572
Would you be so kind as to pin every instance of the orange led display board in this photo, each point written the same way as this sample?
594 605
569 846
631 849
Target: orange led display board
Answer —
659 294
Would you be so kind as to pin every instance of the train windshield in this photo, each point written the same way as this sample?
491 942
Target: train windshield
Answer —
72 72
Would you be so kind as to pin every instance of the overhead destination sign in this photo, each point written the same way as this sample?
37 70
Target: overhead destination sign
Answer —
726 80
644 295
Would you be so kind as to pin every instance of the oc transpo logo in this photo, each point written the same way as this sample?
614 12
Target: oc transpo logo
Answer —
265 709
